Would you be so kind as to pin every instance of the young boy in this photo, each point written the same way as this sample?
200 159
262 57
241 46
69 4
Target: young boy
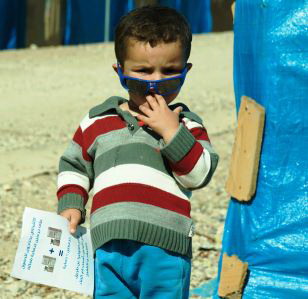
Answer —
141 157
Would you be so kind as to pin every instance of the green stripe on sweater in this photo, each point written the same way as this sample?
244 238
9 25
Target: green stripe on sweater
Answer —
179 146
108 141
144 213
143 232
72 201
72 160
132 153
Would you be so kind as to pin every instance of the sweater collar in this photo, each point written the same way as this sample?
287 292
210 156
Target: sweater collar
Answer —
110 104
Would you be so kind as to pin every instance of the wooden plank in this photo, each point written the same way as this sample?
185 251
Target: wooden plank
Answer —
222 19
35 23
243 172
54 22
233 10
45 22
140 3
232 277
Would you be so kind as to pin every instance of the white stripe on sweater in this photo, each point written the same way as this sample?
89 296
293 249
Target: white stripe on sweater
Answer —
207 146
87 121
140 174
190 124
73 178
197 175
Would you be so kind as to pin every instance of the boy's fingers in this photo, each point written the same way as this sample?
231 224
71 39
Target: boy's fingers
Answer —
178 110
152 102
66 215
74 218
145 110
73 224
141 117
160 99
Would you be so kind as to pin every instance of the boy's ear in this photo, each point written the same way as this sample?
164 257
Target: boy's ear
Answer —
115 67
189 66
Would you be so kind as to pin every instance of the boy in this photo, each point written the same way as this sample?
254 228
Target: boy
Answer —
142 158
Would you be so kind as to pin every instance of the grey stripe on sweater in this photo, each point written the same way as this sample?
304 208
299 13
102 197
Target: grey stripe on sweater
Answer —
144 213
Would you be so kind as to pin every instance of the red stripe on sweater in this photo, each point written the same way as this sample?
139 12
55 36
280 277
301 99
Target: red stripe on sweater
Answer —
133 192
73 189
189 161
200 134
102 126
78 138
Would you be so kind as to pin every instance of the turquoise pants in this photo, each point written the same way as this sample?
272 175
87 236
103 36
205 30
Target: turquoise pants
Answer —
128 269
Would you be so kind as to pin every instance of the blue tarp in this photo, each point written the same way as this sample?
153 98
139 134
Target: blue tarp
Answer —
12 24
205 290
85 20
197 12
271 66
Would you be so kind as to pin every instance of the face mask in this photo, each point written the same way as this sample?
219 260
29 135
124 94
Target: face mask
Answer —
162 87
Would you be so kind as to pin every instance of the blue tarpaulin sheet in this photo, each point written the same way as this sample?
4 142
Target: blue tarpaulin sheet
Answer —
12 24
271 66
205 290
85 20
197 13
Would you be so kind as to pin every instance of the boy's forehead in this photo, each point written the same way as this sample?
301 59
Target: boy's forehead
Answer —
143 52
133 43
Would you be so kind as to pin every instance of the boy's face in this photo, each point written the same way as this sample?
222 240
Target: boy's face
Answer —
144 62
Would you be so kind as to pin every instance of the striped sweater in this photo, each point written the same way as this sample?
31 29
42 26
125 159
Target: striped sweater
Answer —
141 186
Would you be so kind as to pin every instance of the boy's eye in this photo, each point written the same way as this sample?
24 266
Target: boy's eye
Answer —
142 71
172 71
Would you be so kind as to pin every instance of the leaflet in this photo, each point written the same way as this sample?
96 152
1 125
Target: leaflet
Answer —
48 254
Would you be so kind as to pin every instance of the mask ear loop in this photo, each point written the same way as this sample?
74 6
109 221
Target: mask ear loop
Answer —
121 76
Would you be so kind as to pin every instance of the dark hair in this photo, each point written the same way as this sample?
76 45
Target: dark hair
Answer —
152 24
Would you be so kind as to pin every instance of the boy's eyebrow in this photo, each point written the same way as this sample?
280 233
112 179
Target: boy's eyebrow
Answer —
173 66
149 67
144 66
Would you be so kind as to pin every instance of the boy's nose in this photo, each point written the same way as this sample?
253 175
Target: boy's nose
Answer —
156 76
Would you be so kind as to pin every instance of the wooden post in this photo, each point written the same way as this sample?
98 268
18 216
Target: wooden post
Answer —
140 3
54 18
35 22
221 15
45 22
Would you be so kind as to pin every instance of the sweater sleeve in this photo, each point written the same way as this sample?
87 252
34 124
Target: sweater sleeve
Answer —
190 154
75 177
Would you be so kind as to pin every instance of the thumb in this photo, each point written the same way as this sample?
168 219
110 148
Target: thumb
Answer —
178 110
73 225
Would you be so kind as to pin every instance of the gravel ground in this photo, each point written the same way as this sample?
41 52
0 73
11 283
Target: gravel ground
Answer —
44 94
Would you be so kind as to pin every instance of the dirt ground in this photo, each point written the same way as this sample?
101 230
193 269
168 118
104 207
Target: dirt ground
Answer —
45 92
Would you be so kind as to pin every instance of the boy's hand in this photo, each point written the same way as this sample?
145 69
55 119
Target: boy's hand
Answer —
159 117
74 218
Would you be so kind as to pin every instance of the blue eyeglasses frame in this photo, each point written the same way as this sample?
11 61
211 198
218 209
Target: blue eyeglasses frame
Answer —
152 84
